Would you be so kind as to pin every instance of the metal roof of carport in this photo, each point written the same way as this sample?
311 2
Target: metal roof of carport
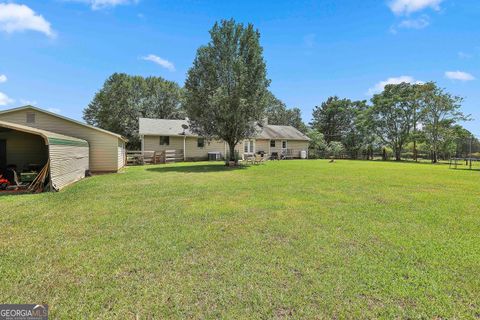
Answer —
64 118
51 138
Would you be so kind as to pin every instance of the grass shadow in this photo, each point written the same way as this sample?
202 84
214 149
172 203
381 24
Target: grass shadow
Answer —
197 168
465 169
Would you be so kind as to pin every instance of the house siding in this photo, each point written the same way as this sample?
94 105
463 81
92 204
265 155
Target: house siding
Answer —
152 143
295 145
264 145
103 146
193 152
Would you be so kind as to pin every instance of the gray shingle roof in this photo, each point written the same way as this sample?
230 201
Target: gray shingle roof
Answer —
165 127
272 132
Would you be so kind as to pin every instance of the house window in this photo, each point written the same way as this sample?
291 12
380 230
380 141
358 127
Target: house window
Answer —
284 144
30 117
164 140
272 143
248 146
201 142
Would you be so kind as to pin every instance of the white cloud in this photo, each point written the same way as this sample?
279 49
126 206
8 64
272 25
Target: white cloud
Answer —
394 80
54 110
3 78
18 17
160 61
464 55
102 4
400 7
418 23
459 75
5 100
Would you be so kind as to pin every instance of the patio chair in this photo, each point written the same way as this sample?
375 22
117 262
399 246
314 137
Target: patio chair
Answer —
260 159
250 159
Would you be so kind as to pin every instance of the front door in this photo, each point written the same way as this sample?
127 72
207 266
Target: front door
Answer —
3 153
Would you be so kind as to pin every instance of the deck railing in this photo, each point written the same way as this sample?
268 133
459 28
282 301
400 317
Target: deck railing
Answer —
153 157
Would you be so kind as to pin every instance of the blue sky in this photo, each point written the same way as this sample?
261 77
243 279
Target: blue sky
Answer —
57 53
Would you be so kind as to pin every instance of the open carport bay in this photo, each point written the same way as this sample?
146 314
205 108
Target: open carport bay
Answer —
25 151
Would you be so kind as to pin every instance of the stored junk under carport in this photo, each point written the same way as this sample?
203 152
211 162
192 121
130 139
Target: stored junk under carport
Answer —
39 160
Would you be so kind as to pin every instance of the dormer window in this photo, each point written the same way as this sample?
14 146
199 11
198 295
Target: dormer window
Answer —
30 117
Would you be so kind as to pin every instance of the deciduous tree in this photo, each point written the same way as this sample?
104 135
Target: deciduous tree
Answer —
332 118
441 114
391 116
227 86
123 99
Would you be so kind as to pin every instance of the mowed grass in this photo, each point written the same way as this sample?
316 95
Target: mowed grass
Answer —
288 239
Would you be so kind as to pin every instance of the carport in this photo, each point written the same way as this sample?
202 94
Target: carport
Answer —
29 150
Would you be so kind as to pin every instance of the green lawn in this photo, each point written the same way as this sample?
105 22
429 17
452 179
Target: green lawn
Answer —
289 239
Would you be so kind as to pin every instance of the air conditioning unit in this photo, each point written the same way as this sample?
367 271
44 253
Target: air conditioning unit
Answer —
214 156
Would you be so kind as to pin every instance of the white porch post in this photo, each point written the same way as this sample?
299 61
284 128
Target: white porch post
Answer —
184 149
142 137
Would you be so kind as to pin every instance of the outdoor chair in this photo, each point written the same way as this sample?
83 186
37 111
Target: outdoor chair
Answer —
260 159
250 159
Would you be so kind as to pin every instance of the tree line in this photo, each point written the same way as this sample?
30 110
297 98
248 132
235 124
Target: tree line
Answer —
403 120
226 93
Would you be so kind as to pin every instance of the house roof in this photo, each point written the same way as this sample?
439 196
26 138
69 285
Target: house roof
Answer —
166 127
272 132
163 127
64 118
51 138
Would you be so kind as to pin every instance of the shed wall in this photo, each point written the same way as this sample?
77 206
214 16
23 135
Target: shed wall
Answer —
103 146
67 164
121 152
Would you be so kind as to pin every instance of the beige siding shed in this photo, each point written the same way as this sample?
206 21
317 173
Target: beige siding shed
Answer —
107 149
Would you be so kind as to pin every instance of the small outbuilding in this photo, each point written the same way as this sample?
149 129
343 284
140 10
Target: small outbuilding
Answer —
30 149
106 149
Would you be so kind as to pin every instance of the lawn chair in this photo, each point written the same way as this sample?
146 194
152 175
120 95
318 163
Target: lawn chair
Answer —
250 159
259 159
